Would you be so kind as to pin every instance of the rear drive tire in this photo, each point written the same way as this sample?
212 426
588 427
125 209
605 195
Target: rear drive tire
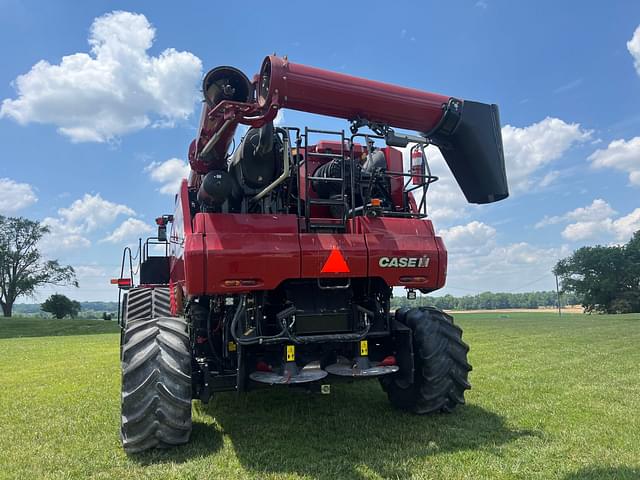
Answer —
156 374
440 364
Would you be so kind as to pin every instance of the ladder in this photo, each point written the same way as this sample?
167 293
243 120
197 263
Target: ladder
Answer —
327 225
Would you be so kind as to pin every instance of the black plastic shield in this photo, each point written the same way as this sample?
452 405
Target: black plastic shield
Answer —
475 155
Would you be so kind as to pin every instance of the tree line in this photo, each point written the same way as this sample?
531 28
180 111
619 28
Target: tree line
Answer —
490 301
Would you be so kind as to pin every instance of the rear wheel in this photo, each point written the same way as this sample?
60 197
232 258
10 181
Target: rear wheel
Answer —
156 374
440 364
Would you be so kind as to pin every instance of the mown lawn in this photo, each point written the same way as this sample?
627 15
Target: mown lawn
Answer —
552 398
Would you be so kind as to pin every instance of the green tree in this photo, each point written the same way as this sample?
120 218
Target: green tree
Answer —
60 306
22 269
605 278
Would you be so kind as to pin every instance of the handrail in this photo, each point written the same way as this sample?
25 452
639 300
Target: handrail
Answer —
287 158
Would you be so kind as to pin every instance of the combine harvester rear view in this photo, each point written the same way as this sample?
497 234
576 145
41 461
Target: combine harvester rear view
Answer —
282 255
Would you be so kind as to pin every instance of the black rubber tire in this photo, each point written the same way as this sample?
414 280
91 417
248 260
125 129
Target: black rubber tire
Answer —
156 374
440 361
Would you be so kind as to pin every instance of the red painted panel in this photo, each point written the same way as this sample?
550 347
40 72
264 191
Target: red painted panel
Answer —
263 248
397 238
395 164
316 249
194 264
442 264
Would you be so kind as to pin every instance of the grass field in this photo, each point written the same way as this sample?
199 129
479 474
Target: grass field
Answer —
552 399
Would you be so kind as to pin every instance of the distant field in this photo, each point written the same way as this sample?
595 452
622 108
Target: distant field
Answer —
552 398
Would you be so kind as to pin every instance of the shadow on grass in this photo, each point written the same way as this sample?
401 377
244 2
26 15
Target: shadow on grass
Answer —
205 440
35 327
605 473
352 431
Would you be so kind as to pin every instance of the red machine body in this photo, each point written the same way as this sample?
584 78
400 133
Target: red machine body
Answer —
219 253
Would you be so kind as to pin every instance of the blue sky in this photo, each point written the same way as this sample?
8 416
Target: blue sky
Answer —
98 109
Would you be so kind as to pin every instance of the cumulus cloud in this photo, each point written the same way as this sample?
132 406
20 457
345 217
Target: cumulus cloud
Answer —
15 196
529 149
633 46
92 211
595 222
115 89
86 215
597 211
473 237
478 262
62 236
130 229
619 229
169 173
620 155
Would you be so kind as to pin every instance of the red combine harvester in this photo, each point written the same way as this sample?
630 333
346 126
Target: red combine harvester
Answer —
281 256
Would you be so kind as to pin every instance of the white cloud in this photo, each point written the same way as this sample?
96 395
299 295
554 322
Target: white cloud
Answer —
620 155
91 212
595 222
86 215
620 229
598 210
116 89
62 236
472 237
169 173
130 229
633 46
532 148
15 196
477 262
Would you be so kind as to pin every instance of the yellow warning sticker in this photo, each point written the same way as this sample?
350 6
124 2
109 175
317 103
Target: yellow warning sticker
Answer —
291 353
364 348
231 346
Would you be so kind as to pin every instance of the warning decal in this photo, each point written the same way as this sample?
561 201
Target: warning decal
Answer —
335 263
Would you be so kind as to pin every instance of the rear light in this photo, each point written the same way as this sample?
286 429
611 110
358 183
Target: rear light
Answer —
413 279
388 361
263 367
122 282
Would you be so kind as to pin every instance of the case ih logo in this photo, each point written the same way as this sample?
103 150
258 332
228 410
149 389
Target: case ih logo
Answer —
404 262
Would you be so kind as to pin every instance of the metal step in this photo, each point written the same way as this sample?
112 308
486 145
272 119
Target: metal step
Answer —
323 179
326 155
327 226
290 374
327 201
359 367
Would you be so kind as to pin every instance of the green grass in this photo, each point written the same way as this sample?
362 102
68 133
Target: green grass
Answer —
37 327
552 399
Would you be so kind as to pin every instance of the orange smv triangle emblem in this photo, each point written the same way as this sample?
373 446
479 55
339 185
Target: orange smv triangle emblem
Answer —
335 263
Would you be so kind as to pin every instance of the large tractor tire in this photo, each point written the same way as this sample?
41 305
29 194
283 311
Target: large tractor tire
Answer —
440 364
156 373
